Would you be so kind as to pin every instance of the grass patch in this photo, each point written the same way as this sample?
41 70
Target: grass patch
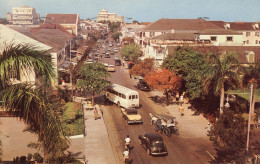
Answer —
246 94
72 119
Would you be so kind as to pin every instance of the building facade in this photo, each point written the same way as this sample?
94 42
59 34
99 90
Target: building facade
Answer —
103 15
24 15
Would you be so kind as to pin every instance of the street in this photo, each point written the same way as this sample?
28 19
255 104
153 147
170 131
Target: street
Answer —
181 149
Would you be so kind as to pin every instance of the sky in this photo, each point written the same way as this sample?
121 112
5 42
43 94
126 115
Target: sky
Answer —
145 10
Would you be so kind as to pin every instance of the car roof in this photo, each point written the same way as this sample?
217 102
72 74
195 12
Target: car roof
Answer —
153 136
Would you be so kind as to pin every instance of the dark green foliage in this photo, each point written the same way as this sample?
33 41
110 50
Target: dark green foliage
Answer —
228 135
131 52
72 120
37 157
116 35
190 65
93 77
114 26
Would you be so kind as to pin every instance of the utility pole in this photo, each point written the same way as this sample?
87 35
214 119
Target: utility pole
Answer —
249 117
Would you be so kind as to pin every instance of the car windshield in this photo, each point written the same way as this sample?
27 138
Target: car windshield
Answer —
132 113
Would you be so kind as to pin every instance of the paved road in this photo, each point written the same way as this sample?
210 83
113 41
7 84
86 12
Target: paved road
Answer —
181 149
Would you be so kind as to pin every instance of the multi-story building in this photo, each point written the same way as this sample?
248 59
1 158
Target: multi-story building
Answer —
71 22
103 15
250 31
24 15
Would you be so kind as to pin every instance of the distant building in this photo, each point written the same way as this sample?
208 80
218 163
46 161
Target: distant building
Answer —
103 15
71 22
24 15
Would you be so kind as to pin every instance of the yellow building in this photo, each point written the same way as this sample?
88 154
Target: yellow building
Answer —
103 15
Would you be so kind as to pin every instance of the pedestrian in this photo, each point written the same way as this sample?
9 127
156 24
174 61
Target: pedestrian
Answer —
181 110
208 128
177 96
95 113
181 99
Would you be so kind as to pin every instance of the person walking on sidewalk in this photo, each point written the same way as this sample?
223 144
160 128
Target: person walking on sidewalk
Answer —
181 110
95 113
177 96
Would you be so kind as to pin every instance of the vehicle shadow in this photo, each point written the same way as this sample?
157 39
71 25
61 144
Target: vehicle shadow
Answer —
163 100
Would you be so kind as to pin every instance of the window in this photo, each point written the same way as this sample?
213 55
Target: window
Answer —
151 34
144 34
213 38
130 97
256 42
230 38
247 33
256 33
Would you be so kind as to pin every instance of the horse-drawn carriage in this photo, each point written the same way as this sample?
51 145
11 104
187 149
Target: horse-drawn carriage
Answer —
165 124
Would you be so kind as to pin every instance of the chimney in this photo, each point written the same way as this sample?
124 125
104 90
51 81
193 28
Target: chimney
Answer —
256 26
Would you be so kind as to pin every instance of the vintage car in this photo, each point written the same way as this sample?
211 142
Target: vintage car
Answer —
142 85
153 143
131 116
111 68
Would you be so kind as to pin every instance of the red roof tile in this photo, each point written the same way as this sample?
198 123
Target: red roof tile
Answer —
180 24
62 18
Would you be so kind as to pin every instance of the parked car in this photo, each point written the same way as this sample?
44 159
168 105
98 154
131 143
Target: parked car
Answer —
110 45
111 68
105 64
115 50
142 85
131 116
107 55
118 62
116 57
153 143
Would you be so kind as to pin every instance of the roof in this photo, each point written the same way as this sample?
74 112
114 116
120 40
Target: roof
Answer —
53 37
242 26
180 24
121 88
239 26
153 136
241 50
51 26
218 32
9 35
62 18
175 36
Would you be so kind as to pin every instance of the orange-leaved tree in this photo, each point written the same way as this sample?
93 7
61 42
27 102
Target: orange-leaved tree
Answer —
163 80
143 68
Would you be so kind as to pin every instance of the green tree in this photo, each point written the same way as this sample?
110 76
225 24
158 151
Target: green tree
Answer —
114 26
116 35
188 64
93 78
29 104
223 71
228 135
143 68
252 77
131 52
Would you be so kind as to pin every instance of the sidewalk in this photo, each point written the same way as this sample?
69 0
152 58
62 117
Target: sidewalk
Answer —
189 125
97 144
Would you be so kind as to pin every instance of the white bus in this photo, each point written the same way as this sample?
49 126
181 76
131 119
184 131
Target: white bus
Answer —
122 96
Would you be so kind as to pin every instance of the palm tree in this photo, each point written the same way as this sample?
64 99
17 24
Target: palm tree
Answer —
30 104
222 70
252 77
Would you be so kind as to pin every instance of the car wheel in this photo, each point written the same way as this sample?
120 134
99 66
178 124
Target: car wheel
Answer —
148 151
167 132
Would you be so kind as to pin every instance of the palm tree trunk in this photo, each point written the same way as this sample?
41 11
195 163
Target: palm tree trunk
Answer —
222 98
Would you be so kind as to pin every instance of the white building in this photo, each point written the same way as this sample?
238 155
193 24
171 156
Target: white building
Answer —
24 15
103 15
